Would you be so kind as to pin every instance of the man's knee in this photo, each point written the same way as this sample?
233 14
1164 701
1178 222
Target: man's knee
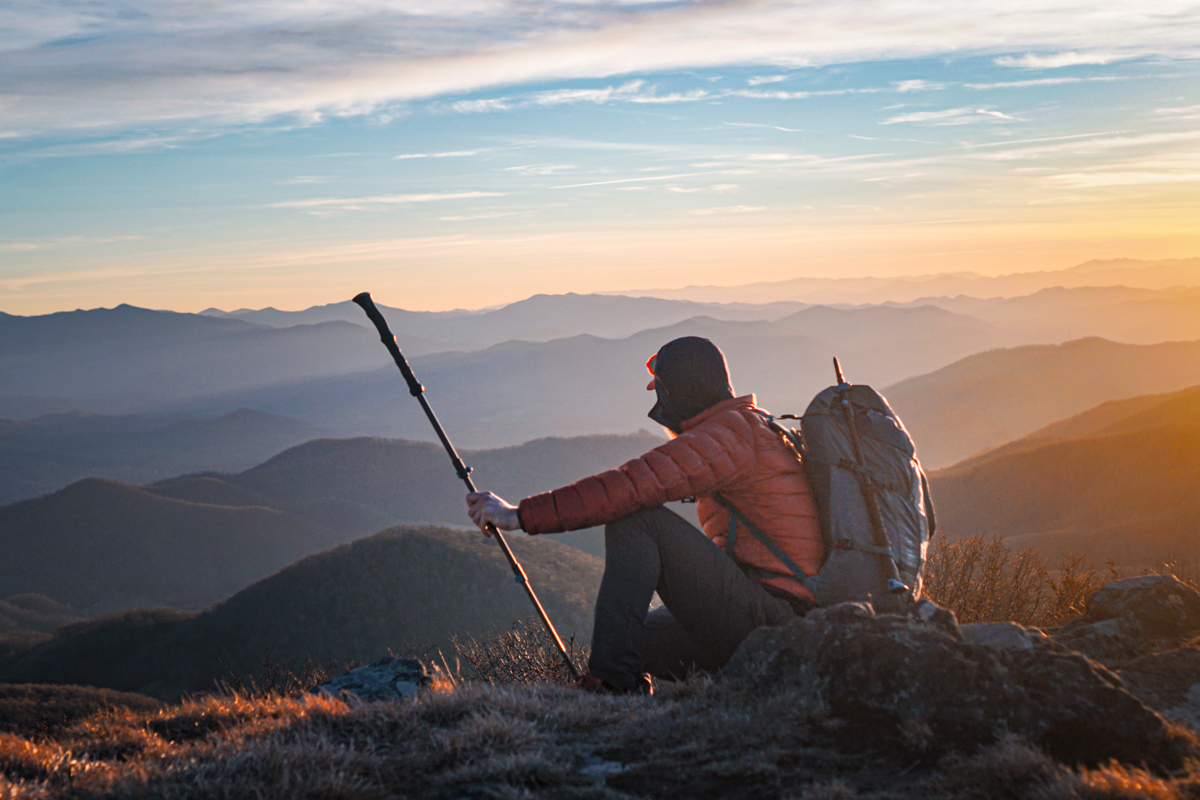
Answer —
651 520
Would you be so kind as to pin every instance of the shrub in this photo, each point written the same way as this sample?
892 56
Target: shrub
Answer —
525 653
981 579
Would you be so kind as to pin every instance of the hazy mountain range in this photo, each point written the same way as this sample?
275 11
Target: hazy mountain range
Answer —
517 391
903 289
140 397
1136 316
539 318
128 360
1118 481
99 545
991 398
40 455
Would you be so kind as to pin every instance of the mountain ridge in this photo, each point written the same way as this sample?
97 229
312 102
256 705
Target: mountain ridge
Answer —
1152 274
994 397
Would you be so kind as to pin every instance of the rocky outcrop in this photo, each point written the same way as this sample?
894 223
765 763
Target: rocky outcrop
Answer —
386 679
1133 617
922 681
1169 683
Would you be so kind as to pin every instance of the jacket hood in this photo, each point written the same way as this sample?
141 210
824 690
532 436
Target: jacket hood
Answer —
690 376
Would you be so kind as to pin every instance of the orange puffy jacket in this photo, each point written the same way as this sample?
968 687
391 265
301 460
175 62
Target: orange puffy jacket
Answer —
726 448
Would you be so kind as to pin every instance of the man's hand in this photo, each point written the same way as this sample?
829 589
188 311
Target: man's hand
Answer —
485 507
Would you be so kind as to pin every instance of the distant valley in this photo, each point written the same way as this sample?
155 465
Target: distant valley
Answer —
44 454
1118 481
187 542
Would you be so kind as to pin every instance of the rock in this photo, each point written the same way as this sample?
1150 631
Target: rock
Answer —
1169 683
386 679
890 673
1133 617
1005 635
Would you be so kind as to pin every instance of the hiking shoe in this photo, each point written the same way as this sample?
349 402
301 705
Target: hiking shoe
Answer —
594 685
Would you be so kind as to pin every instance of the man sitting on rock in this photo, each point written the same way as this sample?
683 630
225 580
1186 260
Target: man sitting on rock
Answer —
711 599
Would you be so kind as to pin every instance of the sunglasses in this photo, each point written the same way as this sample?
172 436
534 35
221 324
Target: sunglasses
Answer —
651 363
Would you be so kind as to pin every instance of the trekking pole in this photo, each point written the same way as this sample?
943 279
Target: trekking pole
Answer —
464 472
894 584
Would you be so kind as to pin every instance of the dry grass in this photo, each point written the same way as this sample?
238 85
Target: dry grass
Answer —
698 739
279 679
511 729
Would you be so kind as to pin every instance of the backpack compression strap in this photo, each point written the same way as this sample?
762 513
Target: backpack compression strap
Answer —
736 516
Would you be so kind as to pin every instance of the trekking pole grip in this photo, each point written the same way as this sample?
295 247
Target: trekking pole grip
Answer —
389 341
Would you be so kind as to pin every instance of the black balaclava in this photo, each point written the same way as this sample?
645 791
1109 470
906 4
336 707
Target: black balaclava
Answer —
690 376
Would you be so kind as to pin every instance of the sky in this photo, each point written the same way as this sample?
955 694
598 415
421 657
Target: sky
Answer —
186 154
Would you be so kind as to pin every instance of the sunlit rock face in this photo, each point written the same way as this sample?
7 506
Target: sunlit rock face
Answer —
1133 617
915 678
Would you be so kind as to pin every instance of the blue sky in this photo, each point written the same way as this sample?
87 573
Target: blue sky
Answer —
193 154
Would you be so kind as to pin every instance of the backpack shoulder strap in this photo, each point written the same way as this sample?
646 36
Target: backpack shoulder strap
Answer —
736 516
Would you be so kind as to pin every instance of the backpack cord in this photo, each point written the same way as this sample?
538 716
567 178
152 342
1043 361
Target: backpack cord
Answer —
736 516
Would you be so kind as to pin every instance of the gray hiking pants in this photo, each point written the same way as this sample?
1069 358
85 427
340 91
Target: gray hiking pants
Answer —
709 604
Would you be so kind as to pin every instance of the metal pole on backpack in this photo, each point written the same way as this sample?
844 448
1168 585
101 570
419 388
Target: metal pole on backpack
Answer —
464 472
894 584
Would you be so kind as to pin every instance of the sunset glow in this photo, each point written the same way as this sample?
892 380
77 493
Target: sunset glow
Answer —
181 155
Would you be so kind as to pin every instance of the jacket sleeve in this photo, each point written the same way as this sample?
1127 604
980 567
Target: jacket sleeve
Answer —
700 461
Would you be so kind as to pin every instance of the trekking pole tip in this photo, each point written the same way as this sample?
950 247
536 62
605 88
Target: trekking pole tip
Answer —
361 298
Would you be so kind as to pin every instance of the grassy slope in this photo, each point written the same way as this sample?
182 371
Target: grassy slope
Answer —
1117 481
41 709
403 589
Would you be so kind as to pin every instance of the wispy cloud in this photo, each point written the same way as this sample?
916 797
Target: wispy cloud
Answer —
718 188
1170 168
497 215
541 169
356 203
63 241
646 178
629 92
1040 82
116 64
949 116
916 86
708 212
759 80
305 180
1057 60
447 154
1179 112
771 127
1091 146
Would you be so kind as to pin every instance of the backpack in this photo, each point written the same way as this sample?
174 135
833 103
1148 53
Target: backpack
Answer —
871 494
